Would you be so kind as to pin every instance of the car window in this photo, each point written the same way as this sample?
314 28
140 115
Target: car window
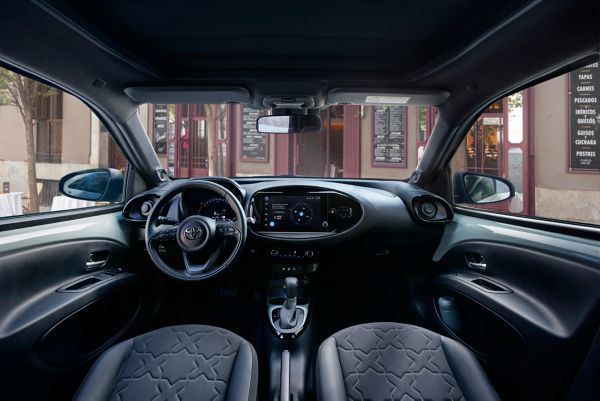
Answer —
356 141
45 134
546 141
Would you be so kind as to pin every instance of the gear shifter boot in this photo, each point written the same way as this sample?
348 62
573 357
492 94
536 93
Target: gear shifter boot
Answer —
288 314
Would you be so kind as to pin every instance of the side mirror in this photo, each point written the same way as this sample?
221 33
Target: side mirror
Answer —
99 184
476 188
290 124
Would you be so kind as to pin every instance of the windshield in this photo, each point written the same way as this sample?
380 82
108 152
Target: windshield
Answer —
194 140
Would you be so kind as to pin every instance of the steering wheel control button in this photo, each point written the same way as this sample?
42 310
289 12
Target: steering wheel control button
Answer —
226 230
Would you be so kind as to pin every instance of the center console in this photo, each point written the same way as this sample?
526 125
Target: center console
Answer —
288 220
288 307
290 340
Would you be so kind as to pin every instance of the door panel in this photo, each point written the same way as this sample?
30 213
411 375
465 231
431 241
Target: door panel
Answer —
525 301
67 294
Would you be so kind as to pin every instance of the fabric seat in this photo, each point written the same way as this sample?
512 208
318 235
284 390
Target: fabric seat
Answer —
398 362
190 362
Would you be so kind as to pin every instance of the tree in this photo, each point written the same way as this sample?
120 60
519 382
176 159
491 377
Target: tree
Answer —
21 92
215 113
515 101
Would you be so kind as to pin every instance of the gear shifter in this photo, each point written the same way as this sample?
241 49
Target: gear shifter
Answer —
288 315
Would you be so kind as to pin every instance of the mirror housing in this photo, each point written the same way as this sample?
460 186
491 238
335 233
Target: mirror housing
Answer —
98 184
479 189
289 124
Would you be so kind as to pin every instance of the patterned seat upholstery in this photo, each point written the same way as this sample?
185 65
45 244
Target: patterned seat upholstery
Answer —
398 362
189 362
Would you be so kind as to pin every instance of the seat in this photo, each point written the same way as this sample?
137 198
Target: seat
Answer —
190 362
398 362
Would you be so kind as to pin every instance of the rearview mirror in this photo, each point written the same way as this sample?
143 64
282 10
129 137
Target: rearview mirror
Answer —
290 124
475 188
99 184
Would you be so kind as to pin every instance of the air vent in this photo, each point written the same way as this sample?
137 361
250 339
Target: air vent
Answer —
431 209
427 209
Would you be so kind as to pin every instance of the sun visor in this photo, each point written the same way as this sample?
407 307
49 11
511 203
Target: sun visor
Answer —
387 97
188 94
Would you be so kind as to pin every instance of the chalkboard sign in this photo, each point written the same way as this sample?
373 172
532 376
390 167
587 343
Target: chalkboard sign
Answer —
584 115
255 146
389 136
161 116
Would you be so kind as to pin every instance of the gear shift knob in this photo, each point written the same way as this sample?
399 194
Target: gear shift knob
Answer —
291 287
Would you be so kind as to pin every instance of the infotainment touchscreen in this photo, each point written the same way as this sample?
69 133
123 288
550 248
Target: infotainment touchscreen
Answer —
292 213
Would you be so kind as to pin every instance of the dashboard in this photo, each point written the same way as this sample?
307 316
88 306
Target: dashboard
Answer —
294 223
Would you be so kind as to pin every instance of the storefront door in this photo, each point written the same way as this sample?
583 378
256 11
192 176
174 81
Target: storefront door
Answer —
191 142
322 155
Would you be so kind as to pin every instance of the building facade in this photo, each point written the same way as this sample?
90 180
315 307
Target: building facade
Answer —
544 139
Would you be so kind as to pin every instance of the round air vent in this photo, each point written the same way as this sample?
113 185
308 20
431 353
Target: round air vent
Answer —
431 209
428 209
146 208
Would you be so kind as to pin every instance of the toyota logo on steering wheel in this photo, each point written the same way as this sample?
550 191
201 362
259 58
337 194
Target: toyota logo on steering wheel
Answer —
193 232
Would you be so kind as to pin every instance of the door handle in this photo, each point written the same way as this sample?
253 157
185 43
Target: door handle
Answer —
96 260
475 261
90 265
477 266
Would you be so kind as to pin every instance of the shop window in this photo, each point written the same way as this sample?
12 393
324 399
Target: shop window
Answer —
422 124
426 118
515 118
160 127
47 113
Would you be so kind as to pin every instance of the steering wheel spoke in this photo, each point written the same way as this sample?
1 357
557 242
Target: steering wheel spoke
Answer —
193 269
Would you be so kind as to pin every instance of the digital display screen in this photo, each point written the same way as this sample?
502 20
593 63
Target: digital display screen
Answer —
292 213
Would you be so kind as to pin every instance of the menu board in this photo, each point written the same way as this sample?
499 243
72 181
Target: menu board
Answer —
255 146
389 135
160 128
584 115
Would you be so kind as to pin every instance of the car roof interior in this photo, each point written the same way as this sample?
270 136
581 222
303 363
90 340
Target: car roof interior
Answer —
392 46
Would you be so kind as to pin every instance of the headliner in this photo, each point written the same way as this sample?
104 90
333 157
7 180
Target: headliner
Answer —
474 50
182 38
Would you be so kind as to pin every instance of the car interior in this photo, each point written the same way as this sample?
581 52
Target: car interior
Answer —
291 287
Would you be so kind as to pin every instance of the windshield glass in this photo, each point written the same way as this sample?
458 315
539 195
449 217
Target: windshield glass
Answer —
194 140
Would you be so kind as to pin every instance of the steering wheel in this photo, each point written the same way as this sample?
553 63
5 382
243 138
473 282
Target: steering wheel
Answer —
196 235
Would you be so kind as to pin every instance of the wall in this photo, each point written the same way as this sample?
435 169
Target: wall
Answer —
76 131
12 134
560 194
